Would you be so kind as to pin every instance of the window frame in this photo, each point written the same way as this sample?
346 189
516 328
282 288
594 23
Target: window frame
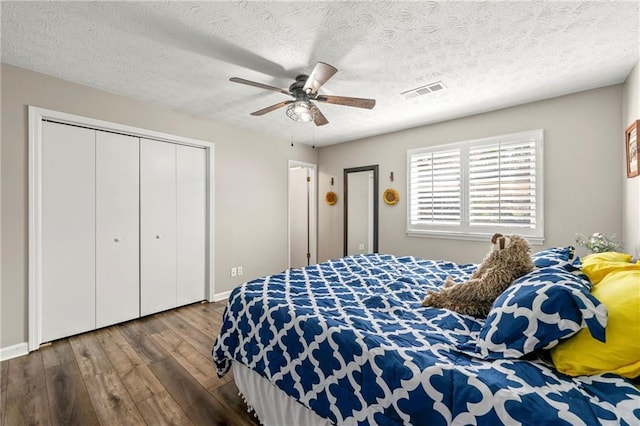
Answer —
464 231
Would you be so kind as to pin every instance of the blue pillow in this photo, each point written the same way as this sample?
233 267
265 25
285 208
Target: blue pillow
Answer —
557 256
539 310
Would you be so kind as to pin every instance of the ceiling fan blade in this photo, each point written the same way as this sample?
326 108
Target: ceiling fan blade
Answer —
260 85
271 108
344 100
319 76
319 118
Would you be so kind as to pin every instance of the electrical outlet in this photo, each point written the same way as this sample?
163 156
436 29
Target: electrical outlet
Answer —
239 270
361 247
234 272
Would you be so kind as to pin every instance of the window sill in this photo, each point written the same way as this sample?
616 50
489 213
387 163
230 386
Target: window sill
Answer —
466 236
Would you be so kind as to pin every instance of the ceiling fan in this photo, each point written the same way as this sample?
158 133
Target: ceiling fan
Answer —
304 90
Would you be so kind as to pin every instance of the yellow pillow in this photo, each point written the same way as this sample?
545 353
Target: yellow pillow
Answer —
596 266
583 355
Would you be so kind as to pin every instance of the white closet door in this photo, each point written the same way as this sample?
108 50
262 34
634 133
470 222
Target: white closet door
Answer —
117 229
191 225
68 230
157 226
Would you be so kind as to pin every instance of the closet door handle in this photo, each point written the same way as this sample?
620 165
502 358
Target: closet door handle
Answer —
116 239
158 236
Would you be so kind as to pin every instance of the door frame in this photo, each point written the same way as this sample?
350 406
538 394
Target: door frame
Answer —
374 203
313 210
36 117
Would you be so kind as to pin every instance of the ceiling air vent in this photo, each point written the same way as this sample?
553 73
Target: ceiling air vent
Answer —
423 90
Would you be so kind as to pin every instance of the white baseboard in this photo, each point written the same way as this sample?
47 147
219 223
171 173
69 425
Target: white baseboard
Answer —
14 351
220 296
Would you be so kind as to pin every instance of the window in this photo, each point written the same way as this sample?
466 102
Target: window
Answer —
472 189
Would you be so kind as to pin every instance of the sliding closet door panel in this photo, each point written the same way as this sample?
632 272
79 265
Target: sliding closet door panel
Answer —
117 228
68 230
157 226
191 225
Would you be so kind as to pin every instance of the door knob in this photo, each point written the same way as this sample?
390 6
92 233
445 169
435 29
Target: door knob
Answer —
116 239
158 236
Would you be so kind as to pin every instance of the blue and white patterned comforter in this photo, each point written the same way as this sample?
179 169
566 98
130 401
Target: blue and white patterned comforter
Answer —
348 339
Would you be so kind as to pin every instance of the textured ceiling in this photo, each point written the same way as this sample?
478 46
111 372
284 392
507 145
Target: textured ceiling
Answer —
181 55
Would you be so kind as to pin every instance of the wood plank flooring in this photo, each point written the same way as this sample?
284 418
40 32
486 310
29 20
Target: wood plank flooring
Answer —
155 370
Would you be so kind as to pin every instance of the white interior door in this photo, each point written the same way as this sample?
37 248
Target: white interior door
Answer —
302 190
68 230
299 219
191 173
157 226
117 228
62 224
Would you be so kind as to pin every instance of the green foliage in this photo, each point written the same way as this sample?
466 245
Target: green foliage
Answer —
598 243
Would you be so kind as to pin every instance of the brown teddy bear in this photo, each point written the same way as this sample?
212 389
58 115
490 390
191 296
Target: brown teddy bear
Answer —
509 258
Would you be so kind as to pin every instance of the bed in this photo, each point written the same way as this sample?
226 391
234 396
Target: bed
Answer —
347 342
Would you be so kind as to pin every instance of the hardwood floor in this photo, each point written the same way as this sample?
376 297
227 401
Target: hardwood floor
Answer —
155 370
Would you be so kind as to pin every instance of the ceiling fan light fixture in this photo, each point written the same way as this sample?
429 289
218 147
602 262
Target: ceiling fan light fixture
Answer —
302 111
303 90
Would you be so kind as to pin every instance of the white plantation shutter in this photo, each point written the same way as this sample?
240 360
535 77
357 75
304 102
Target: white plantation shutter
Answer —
472 189
502 184
436 194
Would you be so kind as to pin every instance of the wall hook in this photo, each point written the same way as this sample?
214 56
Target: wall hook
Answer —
391 176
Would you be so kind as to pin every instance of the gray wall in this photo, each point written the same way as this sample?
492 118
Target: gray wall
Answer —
631 187
582 158
583 155
250 189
